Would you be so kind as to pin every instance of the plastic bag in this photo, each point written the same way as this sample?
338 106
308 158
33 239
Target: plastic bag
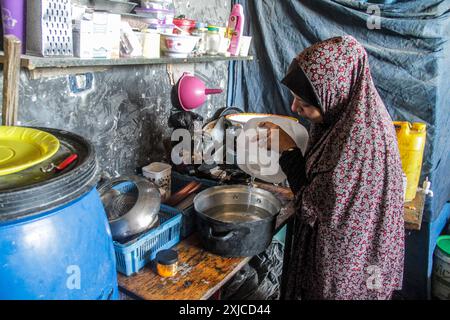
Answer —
260 279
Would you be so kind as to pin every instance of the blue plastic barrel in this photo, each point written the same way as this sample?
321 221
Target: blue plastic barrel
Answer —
55 241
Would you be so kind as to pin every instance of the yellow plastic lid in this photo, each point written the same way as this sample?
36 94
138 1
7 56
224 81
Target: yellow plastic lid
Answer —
21 148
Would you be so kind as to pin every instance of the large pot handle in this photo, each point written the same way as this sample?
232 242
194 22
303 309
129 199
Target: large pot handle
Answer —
228 236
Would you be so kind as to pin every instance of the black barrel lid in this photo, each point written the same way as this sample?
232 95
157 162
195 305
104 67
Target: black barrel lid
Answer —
32 191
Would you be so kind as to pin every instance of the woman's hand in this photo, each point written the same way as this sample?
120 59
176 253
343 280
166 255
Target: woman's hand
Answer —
285 141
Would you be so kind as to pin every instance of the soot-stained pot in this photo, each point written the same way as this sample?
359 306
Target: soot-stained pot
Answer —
236 220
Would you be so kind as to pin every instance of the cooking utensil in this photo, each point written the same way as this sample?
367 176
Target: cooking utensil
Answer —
268 172
64 164
49 28
132 205
183 193
186 203
236 220
21 148
239 119
192 92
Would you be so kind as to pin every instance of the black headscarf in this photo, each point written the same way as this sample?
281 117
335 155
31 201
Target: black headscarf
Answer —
298 83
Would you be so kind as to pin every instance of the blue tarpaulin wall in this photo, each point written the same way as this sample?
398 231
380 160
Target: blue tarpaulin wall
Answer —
409 58
410 63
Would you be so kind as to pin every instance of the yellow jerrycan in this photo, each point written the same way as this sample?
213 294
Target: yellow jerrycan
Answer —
411 142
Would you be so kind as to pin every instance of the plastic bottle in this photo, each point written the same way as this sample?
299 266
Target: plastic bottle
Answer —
213 41
411 142
236 28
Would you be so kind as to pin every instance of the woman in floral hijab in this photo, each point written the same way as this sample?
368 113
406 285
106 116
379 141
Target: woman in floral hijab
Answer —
348 240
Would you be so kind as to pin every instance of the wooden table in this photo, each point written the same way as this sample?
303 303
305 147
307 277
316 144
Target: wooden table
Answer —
201 274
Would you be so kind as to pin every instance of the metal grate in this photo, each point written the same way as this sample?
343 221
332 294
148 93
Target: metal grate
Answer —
51 22
57 28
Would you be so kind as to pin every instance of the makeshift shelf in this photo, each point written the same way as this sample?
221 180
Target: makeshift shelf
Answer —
33 62
41 67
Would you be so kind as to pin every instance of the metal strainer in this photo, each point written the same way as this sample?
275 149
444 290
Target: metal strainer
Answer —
132 205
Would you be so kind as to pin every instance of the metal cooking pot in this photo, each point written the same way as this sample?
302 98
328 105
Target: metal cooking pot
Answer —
132 205
236 220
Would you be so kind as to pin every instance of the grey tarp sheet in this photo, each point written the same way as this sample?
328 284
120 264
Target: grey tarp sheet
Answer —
409 58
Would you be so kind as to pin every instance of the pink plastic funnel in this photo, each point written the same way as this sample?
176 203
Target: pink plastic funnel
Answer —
192 92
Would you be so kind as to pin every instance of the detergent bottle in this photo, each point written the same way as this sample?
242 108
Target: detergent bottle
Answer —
411 142
235 28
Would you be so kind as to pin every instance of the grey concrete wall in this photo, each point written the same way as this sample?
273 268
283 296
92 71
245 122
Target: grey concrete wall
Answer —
125 114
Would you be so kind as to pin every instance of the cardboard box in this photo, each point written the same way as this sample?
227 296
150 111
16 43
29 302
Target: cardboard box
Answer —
83 39
97 36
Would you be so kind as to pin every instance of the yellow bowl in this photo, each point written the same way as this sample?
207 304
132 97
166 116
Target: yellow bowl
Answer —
21 148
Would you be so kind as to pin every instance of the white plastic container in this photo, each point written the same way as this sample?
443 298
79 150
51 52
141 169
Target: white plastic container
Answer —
83 39
97 36
130 46
244 46
160 174
151 44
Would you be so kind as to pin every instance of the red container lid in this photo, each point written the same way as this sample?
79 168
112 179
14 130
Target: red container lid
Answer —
184 22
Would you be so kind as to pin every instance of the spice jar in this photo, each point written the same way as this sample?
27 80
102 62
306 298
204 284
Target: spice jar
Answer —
167 263
213 41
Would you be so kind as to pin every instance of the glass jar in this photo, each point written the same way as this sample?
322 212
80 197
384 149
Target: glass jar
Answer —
213 41
202 32
167 263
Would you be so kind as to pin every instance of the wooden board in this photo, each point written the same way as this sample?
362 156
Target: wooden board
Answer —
200 275
33 62
11 78
414 212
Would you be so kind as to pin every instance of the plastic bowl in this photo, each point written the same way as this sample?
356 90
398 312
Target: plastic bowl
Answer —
177 45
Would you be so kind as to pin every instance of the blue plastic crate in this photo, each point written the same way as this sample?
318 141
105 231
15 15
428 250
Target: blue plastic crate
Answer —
134 255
